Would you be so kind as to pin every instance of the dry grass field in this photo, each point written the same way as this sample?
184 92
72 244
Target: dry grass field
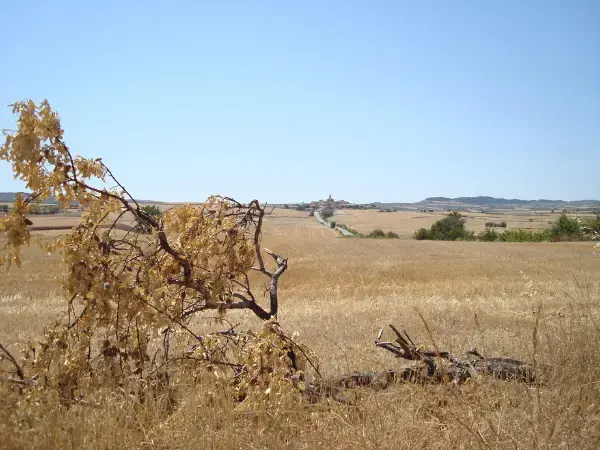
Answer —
537 302
405 223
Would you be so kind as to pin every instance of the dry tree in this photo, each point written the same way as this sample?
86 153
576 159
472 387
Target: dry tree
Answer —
132 293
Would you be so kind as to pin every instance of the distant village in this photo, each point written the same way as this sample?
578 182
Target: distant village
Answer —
330 203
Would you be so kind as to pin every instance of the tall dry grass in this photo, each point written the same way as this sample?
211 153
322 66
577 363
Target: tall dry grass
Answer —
536 302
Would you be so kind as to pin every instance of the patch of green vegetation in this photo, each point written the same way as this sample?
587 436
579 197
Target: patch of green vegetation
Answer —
44 209
591 226
326 213
375 234
520 235
565 228
151 210
450 228
496 224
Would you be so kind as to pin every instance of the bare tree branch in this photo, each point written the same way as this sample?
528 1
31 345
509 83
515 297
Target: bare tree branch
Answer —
18 368
456 368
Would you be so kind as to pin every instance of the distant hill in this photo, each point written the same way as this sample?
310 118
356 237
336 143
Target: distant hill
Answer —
514 202
9 197
430 202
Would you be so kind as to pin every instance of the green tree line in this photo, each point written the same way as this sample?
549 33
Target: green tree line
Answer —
565 228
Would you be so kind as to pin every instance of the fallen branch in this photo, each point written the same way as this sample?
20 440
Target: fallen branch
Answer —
429 367
444 366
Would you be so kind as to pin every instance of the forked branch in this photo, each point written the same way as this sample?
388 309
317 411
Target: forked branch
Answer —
442 365
247 301
18 369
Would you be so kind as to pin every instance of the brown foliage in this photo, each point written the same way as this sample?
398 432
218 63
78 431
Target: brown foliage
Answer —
132 296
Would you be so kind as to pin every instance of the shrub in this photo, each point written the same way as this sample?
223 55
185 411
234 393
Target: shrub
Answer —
332 224
524 236
346 227
152 210
591 227
468 236
422 234
566 228
326 213
450 228
391 235
43 209
377 233
489 235
496 224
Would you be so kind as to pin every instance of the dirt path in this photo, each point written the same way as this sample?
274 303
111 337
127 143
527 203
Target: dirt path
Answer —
324 222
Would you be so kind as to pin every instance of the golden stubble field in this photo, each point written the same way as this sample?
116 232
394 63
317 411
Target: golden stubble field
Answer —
405 223
536 302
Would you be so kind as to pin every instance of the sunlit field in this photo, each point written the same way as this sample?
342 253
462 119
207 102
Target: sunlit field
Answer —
536 302
406 222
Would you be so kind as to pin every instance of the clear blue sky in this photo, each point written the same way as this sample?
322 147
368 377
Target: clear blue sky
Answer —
287 101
